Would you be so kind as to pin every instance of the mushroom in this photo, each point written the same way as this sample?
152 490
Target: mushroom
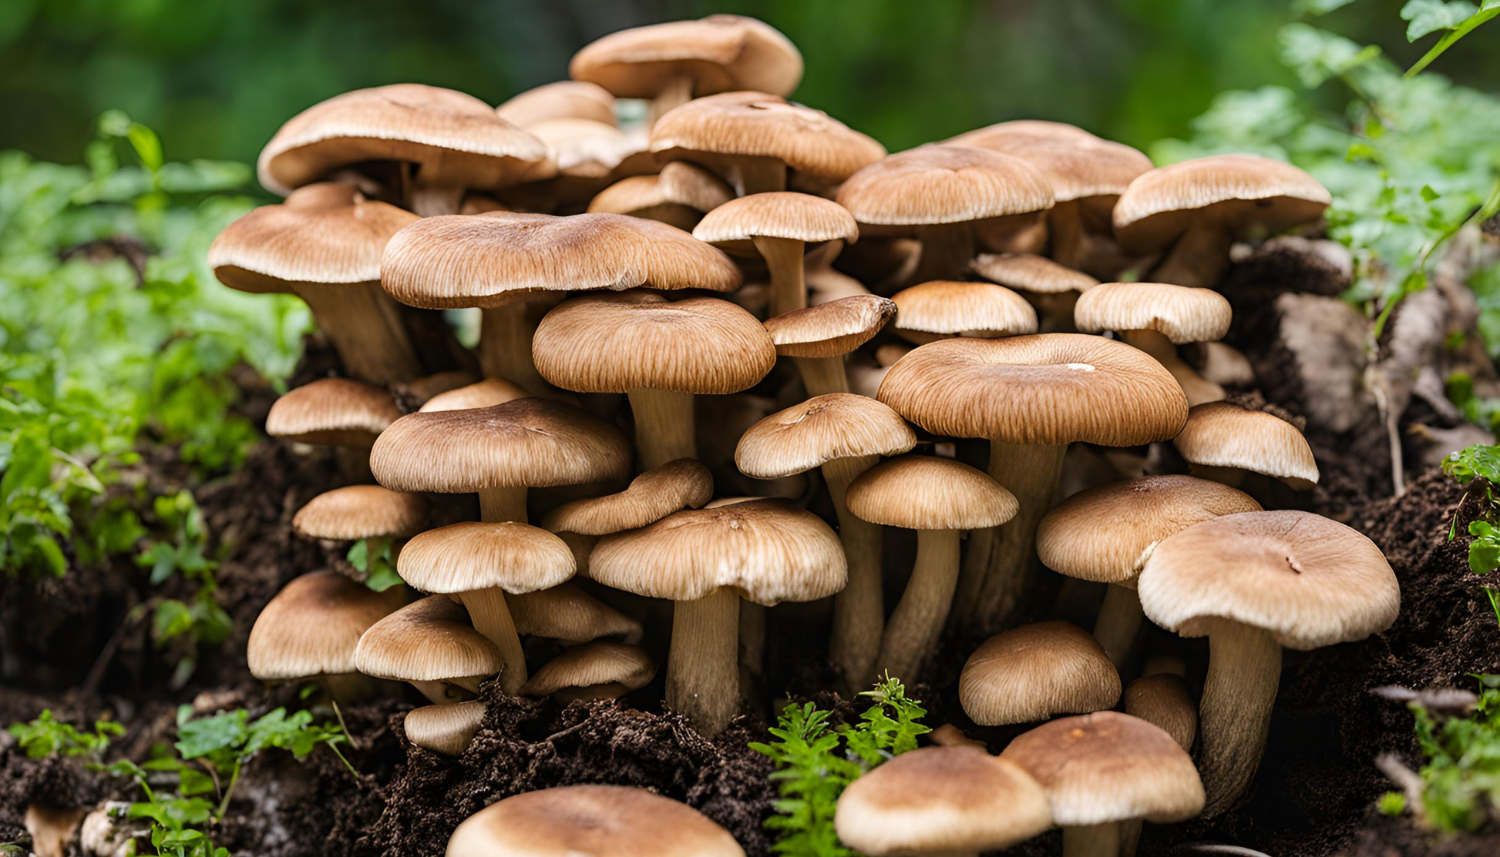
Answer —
1105 534
943 309
361 512
777 227
481 394
1224 365
565 99
428 645
1198 208
1030 396
949 735
1222 441
1036 672
845 435
1254 583
1102 769
939 498
819 337
51 828
659 353
680 195
1164 700
568 821
419 391
655 494
706 560
345 414
590 156
1049 287
569 615
1156 318
446 729
592 671
323 244
941 801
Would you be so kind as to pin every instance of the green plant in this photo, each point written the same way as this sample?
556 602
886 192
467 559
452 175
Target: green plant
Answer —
199 620
1460 780
377 559
1479 468
46 736
1454 19
815 762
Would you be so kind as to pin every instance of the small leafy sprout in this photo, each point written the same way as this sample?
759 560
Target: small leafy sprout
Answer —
1460 782
376 558
1479 468
199 620
46 736
1392 804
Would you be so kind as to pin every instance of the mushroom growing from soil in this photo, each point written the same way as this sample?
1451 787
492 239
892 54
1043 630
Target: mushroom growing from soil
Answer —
680 195
446 729
312 627
570 616
818 338
1223 441
428 645
1156 318
1049 287
592 671
1036 672
1254 583
943 309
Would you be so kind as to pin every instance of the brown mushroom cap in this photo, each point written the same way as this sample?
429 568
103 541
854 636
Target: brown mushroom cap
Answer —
592 665
1002 133
333 412
481 394
797 216
1105 534
943 184
1077 164
1050 388
446 729
718 53
471 556
640 340
361 512
943 308
455 138
1164 701
585 149
1306 580
925 492
1221 434
565 99
1180 313
678 184
487 260
313 625
1030 273
819 430
426 640
571 616
1036 672
830 329
653 495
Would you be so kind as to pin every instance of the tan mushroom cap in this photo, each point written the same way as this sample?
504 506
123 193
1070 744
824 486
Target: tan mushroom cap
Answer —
1108 766
325 233
767 551
718 53
1002 133
655 494
312 626
639 340
455 138
585 149
333 412
481 394
593 665
530 443
941 309
782 214
824 428
488 260
569 821
565 99
423 389
446 729
1165 701
361 512
943 184
925 492
471 556
571 616
1180 313
1238 190
1221 434
1031 273
940 800
1306 580
427 640
830 329
1050 388
761 125
1077 165
1105 534
1036 672
678 184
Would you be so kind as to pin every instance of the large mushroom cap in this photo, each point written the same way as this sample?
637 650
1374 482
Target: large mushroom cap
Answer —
718 53
653 495
1104 534
453 137
361 512
569 821
530 443
943 308
487 260
943 184
830 329
925 492
1035 672
612 343
471 556
797 216
819 430
426 640
1030 273
446 729
565 99
1050 388
1180 313
767 551
313 625
1221 434
333 412
1308 581
613 666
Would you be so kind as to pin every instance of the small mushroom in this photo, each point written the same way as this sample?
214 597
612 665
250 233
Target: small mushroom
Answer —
564 99
680 195
338 412
359 512
1156 318
1049 287
1223 441
655 494
1036 672
481 394
777 227
51 829
943 309
592 671
311 629
1165 701
446 729
428 645
818 338
569 615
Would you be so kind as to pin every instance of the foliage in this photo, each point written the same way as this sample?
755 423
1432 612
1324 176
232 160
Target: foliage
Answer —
1479 467
46 736
815 762
377 559
1453 18
1461 777
199 620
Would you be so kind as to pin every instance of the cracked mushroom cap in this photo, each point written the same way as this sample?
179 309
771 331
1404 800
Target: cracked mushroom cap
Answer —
325 233
531 443
487 260
655 494
1180 313
453 138
482 394
427 640
1105 534
943 184
942 309
569 821
471 556
333 412
1306 580
830 329
733 226
608 669
1036 672
767 551
313 625
679 190
1221 434
1049 388
822 429
571 616
939 800
1240 191
446 729
925 492
718 54
565 99
1031 273
361 512
640 340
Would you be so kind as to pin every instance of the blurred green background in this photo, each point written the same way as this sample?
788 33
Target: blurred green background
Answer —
216 77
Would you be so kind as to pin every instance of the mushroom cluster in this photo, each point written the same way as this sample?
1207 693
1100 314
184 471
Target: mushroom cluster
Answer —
738 356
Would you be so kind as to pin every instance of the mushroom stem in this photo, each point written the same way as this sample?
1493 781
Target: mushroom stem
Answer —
918 618
431 200
1092 840
752 643
491 617
823 375
1244 670
1119 623
1198 258
364 325
505 347
1065 231
444 692
677 92
702 676
784 260
947 249
752 174
502 505
1130 837
1161 349
859 608
998 567
663 426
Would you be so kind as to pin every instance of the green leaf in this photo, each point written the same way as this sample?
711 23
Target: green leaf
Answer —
1429 16
1318 7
